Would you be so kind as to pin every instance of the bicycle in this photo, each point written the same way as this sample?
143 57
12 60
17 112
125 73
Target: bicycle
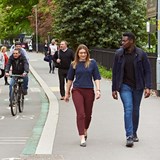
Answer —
17 95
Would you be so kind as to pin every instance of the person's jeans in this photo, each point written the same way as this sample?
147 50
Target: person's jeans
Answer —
12 81
131 99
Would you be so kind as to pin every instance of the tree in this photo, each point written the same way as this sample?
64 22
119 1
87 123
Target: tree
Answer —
98 22
45 19
15 15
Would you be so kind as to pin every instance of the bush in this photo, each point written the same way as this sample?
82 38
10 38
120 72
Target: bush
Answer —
104 72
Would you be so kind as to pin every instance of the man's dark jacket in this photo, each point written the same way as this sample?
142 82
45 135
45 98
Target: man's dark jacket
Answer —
19 65
141 65
66 58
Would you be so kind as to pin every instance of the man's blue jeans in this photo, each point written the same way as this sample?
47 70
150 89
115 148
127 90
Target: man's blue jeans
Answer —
131 99
12 81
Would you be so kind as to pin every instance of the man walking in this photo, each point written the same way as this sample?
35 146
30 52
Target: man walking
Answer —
63 58
131 77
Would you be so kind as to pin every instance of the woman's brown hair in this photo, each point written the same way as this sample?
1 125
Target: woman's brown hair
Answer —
76 59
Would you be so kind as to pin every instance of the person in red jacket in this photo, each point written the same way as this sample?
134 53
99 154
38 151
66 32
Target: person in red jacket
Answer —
3 62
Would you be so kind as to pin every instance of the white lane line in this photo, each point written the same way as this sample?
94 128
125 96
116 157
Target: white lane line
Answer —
35 89
13 140
9 143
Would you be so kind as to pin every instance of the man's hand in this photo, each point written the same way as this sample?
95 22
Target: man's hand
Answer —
115 95
147 93
58 60
7 74
24 74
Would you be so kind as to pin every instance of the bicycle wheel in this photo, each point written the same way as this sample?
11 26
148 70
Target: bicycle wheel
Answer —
14 102
20 100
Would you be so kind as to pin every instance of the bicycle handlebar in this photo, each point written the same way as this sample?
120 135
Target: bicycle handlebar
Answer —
15 75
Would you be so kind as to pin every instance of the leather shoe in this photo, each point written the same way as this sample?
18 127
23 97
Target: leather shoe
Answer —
62 98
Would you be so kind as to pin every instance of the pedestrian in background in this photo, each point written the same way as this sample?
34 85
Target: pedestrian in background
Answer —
53 48
81 74
46 47
3 62
63 58
131 77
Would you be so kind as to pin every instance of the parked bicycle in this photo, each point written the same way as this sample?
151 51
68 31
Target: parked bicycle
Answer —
17 95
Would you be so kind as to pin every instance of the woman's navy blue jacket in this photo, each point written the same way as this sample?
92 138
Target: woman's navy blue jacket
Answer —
141 65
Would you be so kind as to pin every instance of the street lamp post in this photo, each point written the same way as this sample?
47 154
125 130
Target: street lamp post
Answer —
158 48
36 28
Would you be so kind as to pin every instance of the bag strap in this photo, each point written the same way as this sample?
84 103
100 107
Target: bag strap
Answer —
58 54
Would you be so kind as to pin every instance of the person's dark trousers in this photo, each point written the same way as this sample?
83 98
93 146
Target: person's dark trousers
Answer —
51 64
6 79
83 99
62 74
131 99
2 73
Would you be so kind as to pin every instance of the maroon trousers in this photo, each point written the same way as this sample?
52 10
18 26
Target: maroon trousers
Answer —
83 99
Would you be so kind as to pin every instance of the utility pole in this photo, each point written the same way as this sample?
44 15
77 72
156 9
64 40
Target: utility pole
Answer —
36 28
158 48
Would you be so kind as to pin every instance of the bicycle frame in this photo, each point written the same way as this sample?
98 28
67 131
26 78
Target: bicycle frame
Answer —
17 96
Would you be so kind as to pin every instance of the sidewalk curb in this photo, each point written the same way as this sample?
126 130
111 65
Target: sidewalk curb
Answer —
46 141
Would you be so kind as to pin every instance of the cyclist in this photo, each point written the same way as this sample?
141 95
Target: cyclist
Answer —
20 66
18 45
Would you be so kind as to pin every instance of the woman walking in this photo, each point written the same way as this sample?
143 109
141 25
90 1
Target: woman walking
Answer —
81 74
3 62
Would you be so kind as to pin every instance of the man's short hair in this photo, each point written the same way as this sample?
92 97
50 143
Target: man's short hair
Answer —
17 50
130 36
17 43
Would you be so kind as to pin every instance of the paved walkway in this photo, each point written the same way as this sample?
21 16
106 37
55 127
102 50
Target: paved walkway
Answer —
106 136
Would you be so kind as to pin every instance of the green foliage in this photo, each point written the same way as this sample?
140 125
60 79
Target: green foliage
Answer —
100 22
14 20
104 72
